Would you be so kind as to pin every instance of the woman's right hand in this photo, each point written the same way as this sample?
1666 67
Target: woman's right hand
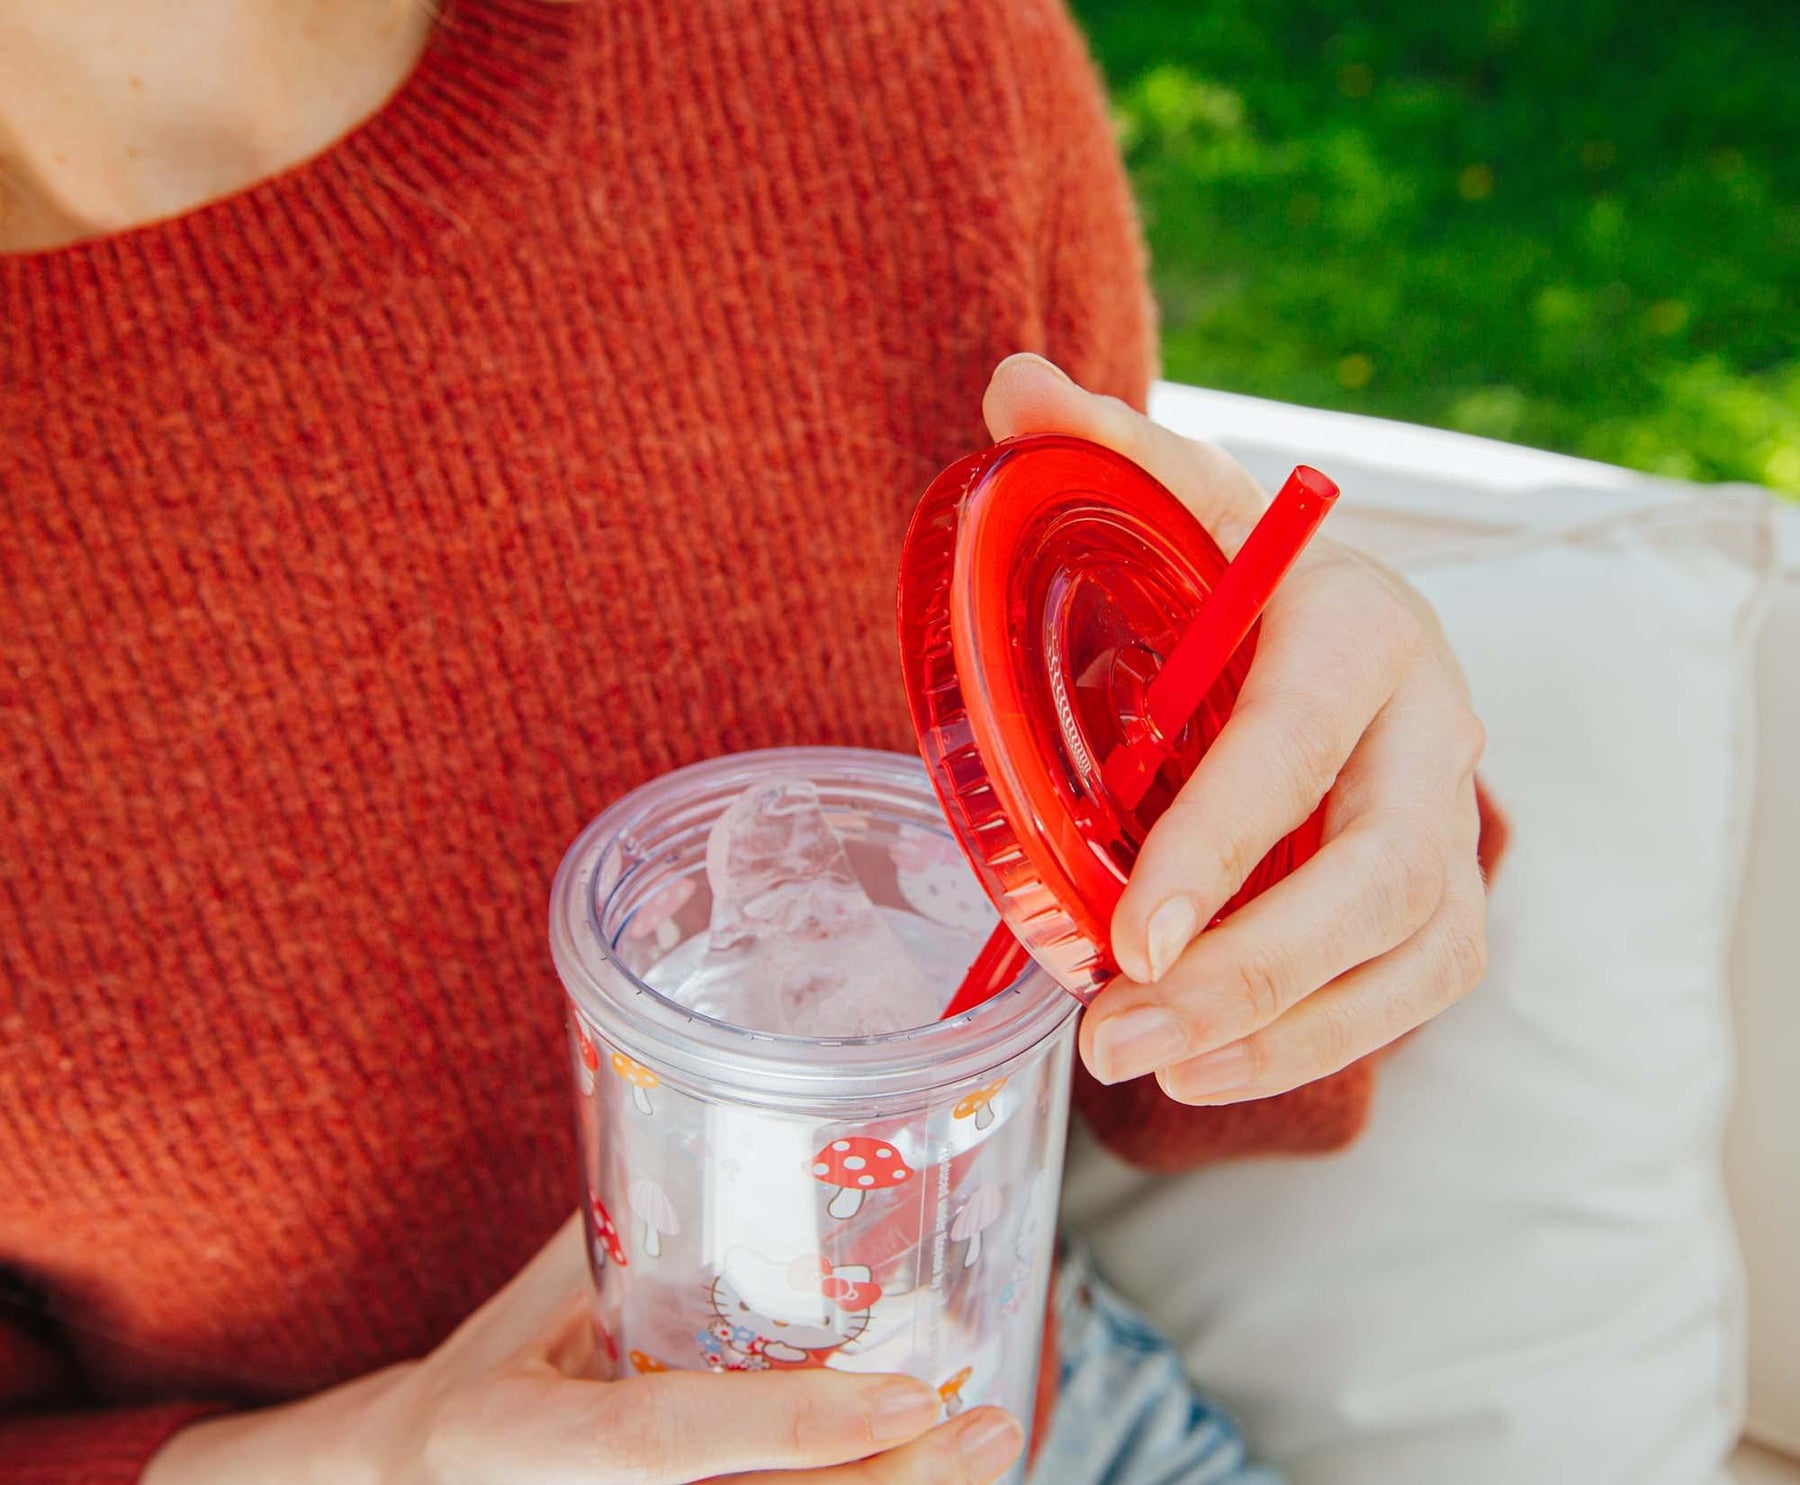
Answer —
506 1400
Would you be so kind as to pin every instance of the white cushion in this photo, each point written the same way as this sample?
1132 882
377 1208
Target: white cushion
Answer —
1763 1149
1524 1270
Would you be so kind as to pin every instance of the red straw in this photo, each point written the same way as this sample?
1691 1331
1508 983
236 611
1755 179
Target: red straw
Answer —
1225 618
1001 961
1193 667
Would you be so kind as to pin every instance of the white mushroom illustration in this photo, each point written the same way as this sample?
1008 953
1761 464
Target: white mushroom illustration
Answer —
980 1212
860 1165
651 1206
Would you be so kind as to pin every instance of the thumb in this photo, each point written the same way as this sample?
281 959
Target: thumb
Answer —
1028 394
534 1315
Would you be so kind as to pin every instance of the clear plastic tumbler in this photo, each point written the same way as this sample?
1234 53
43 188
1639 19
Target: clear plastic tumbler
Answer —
759 1201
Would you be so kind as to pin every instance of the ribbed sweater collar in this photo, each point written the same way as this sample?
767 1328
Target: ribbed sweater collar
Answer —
479 101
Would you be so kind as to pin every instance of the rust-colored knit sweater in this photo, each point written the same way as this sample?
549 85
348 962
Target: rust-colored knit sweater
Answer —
363 535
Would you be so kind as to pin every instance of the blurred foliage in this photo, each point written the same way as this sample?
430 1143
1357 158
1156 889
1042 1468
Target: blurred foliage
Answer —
1575 225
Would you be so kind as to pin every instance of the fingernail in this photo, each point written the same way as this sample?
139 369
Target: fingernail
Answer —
1043 361
988 1445
1215 1073
902 1410
1135 1042
1171 929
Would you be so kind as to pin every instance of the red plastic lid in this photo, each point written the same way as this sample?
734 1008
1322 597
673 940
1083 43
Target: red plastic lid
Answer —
1042 583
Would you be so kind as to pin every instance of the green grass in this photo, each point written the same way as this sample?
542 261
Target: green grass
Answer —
1575 225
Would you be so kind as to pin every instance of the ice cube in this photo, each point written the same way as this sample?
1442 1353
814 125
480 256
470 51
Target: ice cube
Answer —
795 945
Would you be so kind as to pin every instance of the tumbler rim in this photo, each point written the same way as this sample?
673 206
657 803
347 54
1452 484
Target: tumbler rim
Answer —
766 1068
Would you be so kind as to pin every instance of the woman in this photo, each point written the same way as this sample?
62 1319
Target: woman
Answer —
415 436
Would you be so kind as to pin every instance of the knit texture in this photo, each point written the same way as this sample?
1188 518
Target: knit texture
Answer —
364 534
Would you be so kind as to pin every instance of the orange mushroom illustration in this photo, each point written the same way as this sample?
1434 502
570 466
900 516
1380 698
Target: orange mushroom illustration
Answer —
950 1392
644 1364
979 1104
640 1078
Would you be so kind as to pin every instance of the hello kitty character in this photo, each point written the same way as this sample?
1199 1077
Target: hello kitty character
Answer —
768 1314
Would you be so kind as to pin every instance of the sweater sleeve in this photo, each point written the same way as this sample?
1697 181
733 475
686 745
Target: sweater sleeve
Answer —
1097 319
100 1448
1098 323
44 1440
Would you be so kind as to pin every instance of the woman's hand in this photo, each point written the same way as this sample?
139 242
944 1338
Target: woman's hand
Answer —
506 1401
1353 698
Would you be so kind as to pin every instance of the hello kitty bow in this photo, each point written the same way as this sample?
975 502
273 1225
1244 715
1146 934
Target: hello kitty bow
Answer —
849 1286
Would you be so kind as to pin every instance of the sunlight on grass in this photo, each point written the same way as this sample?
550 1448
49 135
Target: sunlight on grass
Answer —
1552 224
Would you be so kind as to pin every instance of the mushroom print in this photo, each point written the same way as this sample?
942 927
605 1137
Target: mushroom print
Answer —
772 1314
640 1078
607 1343
590 1056
935 880
979 1104
606 1235
980 1212
950 1392
656 918
859 1165
652 1207
643 1364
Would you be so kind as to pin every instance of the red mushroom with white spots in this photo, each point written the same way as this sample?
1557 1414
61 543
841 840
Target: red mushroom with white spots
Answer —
858 1164
590 1057
607 1343
606 1235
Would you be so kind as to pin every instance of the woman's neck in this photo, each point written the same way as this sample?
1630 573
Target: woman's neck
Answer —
118 112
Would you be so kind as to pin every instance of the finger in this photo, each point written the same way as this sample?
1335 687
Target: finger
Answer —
1333 650
976 1449
1028 394
1434 732
676 1426
1356 1014
1375 882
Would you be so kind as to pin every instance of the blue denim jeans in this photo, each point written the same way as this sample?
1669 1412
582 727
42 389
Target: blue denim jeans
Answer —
1126 1413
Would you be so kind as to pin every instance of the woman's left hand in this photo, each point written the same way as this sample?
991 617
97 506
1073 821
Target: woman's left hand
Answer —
1353 698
